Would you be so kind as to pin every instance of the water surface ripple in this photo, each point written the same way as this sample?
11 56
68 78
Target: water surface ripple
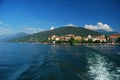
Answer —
59 62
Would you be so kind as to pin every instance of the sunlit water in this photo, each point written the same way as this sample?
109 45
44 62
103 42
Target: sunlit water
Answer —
59 62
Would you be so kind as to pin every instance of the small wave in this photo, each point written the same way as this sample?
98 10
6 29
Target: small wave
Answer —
118 53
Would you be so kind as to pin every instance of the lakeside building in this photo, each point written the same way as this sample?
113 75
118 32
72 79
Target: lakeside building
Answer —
101 38
88 37
54 37
65 37
114 37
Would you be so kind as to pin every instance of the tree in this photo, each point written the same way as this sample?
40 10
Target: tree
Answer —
118 40
72 40
59 41
106 37
97 41
89 40
83 40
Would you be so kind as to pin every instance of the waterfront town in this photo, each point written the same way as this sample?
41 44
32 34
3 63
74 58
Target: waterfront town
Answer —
90 39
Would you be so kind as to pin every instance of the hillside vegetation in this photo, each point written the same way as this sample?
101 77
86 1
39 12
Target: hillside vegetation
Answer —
58 31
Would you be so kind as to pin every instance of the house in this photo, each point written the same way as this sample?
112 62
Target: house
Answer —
78 38
114 37
65 37
88 37
101 38
68 37
54 37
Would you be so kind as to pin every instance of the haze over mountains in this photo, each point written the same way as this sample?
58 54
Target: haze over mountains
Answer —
106 32
6 38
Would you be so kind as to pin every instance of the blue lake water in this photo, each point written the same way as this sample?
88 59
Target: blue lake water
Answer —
59 62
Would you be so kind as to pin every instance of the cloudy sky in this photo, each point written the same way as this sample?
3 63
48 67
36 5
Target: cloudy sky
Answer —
38 15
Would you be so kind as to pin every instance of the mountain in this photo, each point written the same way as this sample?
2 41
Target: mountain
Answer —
4 36
79 31
17 35
20 34
106 32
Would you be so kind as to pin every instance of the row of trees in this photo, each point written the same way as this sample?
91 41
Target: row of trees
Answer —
118 40
72 40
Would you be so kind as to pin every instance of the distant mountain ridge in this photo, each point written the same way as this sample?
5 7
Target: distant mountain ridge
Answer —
106 32
17 35
79 31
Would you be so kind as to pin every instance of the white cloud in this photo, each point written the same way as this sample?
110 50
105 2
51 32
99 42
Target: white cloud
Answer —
3 28
32 30
4 31
52 28
70 24
99 26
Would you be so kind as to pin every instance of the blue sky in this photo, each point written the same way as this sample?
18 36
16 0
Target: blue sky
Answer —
38 15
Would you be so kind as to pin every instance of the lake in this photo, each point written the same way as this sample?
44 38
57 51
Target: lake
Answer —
59 62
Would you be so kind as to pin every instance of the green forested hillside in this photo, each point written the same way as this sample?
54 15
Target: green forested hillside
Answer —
58 31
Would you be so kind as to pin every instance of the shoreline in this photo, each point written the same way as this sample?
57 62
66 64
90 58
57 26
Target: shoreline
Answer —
84 44
74 44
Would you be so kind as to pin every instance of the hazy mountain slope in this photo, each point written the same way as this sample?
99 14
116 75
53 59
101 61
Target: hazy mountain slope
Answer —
18 35
106 32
